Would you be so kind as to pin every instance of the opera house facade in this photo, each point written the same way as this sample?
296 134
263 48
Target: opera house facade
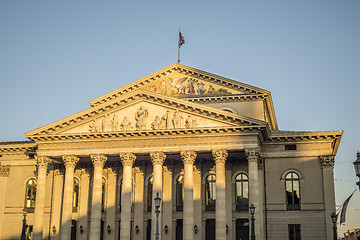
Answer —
207 148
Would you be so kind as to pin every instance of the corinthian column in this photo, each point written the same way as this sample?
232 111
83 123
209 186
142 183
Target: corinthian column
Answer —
327 165
98 161
42 164
188 158
70 162
220 157
254 189
127 160
157 159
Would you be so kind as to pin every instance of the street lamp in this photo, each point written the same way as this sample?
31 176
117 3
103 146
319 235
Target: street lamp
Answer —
252 211
334 220
357 168
157 201
23 233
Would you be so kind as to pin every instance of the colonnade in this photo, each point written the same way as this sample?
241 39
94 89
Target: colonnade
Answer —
127 159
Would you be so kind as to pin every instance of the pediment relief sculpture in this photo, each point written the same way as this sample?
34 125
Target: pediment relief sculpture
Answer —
181 85
145 116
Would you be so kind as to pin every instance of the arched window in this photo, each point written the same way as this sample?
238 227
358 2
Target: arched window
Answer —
75 201
210 192
30 195
149 193
242 192
179 193
292 186
103 195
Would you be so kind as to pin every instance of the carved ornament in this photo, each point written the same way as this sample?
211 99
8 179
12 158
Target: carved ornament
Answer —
188 157
98 160
327 161
252 155
127 159
4 170
70 160
220 155
42 161
157 157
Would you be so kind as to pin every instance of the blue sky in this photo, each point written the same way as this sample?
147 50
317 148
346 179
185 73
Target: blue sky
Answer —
57 56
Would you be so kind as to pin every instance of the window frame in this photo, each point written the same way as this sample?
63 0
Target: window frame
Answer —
292 206
210 203
241 181
31 208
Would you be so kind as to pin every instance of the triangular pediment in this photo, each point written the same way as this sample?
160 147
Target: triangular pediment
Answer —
181 81
143 110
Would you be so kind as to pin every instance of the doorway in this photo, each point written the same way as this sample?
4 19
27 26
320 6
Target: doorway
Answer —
210 229
242 229
179 229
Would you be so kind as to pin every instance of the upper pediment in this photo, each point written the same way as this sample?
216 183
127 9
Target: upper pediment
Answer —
141 111
181 81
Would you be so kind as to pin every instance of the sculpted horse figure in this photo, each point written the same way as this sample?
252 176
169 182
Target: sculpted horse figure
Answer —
177 83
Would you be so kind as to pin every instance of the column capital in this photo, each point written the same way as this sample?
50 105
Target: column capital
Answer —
252 155
4 170
70 160
327 161
127 159
219 155
42 161
188 157
157 157
98 159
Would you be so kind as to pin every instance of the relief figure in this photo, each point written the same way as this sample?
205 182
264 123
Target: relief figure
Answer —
125 125
177 119
140 117
156 123
190 122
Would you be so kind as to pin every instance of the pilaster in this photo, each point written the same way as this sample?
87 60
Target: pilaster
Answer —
4 174
139 202
327 166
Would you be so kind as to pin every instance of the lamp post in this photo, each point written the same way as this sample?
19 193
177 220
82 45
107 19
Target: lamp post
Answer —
23 233
157 201
357 168
334 220
252 211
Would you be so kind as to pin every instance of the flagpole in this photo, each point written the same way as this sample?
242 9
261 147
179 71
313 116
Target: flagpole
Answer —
179 47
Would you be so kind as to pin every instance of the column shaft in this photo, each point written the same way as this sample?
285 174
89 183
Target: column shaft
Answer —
254 194
84 202
157 159
220 157
98 161
69 162
110 204
42 163
139 202
127 160
188 158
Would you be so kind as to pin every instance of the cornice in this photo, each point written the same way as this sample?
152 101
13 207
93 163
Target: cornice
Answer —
181 69
227 98
152 133
303 135
20 146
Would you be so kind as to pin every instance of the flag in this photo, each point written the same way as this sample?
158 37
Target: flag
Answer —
181 39
343 210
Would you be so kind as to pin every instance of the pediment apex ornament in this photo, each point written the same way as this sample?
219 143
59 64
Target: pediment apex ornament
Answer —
4 171
157 157
70 160
42 161
98 159
188 157
252 155
127 159
327 161
220 155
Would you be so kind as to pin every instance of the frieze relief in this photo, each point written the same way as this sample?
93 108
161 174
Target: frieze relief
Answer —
144 116
181 85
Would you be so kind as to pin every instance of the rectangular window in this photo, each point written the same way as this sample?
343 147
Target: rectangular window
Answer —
294 232
290 147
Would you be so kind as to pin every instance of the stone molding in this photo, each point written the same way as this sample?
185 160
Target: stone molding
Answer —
127 159
4 170
188 157
157 157
252 155
220 155
70 160
327 161
98 160
260 163
42 161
